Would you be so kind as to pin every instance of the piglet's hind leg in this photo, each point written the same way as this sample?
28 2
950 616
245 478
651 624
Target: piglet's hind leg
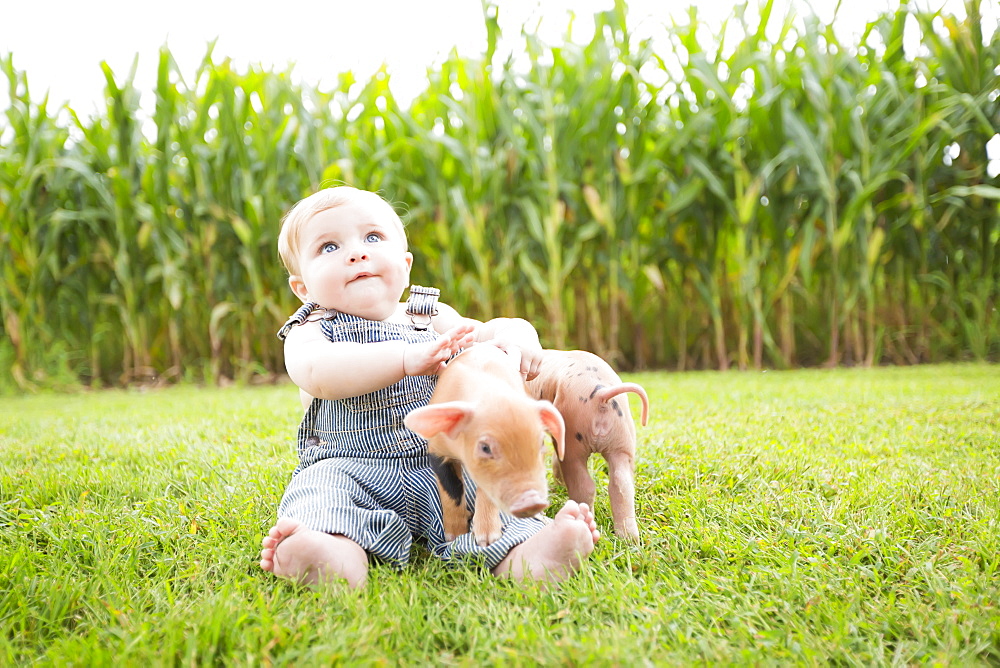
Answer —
579 483
621 493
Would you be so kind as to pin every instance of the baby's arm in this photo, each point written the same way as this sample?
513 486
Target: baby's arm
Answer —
515 336
518 338
338 370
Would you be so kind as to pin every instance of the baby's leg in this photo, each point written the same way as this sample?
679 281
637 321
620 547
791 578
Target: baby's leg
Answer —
557 550
297 553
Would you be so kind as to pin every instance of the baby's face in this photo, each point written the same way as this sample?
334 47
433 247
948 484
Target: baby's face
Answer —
353 258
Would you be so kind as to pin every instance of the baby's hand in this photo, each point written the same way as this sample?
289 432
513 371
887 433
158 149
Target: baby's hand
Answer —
426 359
525 359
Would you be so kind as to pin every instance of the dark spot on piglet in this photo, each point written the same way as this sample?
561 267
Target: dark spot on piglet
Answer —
595 391
450 481
579 436
618 409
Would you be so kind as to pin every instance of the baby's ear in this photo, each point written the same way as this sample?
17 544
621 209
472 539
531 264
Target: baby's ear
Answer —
408 257
298 286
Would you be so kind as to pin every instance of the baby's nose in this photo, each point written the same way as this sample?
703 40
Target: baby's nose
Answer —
358 255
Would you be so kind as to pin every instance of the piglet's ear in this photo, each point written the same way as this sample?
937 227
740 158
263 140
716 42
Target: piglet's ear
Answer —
553 422
447 418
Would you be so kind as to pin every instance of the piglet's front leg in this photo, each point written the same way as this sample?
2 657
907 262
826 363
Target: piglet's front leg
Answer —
621 493
486 524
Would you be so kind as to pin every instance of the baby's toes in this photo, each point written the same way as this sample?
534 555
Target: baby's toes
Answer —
569 511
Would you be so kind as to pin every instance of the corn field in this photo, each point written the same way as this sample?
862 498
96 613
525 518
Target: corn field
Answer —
678 203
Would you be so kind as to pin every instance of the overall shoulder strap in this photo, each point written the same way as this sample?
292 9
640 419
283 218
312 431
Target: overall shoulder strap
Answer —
307 311
421 306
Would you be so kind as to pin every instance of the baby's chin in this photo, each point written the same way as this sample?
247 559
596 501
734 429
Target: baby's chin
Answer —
382 310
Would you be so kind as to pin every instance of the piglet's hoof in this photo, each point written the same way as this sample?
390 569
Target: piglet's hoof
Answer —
628 531
486 539
487 532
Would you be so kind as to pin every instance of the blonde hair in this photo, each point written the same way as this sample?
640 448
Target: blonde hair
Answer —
295 220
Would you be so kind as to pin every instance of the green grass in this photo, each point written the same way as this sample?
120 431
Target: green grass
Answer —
845 516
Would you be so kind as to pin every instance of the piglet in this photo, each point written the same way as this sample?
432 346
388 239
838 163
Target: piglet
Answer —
586 391
481 417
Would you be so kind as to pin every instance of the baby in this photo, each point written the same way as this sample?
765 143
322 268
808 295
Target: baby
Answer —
364 487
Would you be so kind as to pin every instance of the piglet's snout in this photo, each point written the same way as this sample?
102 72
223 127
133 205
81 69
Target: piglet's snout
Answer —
529 504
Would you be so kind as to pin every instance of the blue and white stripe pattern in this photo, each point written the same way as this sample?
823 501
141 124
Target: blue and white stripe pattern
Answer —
364 475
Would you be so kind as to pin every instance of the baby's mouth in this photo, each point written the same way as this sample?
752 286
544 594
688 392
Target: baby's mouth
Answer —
361 276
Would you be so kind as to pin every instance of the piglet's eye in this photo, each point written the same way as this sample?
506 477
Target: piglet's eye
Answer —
484 448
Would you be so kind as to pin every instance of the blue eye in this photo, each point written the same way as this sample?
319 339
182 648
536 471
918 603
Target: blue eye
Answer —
373 237
328 247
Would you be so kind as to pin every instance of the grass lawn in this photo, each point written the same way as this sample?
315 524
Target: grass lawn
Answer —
846 516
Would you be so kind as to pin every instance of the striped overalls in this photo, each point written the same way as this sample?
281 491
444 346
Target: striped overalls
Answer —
362 474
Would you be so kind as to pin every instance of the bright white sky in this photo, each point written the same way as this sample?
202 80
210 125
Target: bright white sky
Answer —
60 43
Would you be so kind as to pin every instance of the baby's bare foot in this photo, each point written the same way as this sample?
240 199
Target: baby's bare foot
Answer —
557 550
295 552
